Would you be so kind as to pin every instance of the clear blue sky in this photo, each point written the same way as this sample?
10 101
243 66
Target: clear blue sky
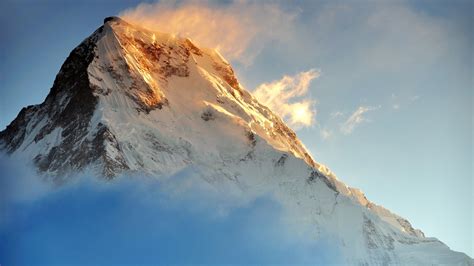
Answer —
410 62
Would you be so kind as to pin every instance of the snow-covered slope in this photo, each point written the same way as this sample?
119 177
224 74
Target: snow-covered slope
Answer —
129 100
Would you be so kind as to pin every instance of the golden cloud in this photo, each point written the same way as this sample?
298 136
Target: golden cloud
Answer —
238 30
287 97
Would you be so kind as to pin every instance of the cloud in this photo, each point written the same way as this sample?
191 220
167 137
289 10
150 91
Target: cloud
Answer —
325 133
238 30
288 98
335 114
19 183
138 220
397 102
356 118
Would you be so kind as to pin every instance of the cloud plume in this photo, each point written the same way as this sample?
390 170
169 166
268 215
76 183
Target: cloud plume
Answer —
287 97
356 118
232 29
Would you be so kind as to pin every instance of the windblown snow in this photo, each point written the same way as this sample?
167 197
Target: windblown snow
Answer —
129 100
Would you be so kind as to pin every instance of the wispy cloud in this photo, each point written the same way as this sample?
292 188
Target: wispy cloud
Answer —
336 114
398 102
325 133
230 28
356 119
288 98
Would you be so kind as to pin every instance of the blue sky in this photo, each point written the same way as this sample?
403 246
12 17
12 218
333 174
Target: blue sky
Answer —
408 63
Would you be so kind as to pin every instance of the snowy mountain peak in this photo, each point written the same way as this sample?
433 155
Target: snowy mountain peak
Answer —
126 75
114 19
129 100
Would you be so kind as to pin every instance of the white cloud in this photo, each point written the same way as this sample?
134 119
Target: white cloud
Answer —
336 114
325 133
288 98
356 118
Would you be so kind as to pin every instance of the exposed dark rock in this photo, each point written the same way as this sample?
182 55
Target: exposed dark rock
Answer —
281 161
112 18
157 144
316 175
69 105
71 87
408 227
159 57
228 75
281 129
207 115
14 134
87 152
252 138
374 238
72 90
193 48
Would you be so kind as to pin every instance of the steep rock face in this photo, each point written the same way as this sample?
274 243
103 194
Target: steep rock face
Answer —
129 100
56 133
66 112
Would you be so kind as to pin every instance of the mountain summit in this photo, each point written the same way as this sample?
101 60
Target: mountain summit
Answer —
130 100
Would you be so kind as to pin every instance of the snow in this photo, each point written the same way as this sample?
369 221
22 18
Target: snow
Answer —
240 144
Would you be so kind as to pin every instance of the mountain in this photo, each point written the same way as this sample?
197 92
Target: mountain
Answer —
131 101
